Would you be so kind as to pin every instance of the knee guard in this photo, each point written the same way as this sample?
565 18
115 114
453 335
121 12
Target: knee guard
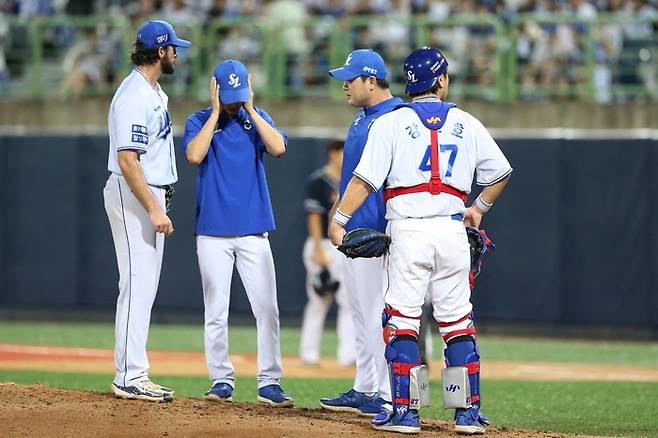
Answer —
409 379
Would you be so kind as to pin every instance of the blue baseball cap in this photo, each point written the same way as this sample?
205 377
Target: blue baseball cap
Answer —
232 75
362 62
158 33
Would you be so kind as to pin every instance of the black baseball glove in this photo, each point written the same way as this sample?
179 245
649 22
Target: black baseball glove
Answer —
364 242
323 284
480 244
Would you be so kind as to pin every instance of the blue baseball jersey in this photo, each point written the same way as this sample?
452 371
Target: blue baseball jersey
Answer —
372 212
232 194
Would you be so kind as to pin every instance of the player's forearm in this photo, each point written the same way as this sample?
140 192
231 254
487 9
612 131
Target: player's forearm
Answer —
314 221
490 194
274 142
197 148
132 172
356 193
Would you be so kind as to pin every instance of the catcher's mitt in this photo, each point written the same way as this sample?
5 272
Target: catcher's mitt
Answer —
364 242
480 244
323 284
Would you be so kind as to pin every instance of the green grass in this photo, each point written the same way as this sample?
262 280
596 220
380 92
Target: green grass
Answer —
243 340
595 408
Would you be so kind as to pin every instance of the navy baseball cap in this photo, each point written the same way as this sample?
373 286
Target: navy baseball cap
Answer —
422 69
232 75
158 33
363 62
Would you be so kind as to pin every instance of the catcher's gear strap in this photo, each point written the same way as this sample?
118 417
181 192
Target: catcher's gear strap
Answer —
403 359
434 186
462 326
396 324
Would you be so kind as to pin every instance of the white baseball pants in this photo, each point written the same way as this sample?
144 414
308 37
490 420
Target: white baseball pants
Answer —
252 256
317 307
139 252
428 255
365 285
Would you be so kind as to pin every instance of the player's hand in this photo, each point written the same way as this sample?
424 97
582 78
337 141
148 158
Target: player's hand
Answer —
472 217
320 256
215 103
336 232
161 222
249 105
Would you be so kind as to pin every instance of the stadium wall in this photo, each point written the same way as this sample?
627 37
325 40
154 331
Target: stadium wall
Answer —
576 231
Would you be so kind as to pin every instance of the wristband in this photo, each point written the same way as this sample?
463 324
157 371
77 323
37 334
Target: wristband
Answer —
482 205
341 218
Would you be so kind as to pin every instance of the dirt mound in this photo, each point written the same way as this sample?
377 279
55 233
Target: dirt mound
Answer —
38 410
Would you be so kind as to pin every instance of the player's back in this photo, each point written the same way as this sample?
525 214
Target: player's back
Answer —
403 146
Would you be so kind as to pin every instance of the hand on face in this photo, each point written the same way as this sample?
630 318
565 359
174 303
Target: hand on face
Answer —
215 103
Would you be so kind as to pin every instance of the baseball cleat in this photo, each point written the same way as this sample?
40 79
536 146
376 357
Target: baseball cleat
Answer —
219 392
273 395
373 407
389 421
349 401
470 422
144 390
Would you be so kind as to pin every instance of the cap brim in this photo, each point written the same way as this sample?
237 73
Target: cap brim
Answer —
419 87
234 96
343 74
181 43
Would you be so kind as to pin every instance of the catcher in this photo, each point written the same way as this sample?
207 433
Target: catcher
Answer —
428 175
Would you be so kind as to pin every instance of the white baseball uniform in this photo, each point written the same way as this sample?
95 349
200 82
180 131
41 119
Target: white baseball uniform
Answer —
138 120
426 230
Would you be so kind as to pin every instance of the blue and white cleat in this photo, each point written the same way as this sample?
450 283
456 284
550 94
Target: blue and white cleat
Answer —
219 392
470 422
273 395
390 421
349 401
374 406
144 390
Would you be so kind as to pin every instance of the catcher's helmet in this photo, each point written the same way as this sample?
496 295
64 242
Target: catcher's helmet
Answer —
422 69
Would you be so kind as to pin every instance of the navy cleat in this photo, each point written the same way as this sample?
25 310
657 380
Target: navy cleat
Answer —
219 392
144 390
470 422
273 395
349 401
373 407
405 421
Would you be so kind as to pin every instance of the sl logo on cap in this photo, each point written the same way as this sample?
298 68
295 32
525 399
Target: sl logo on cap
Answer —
234 80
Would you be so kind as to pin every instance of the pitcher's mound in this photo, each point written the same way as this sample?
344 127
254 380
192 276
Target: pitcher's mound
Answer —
39 411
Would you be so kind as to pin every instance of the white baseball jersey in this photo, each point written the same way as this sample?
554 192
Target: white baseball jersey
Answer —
139 120
398 154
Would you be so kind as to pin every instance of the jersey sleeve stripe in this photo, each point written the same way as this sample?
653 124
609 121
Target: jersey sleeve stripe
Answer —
503 176
133 148
365 180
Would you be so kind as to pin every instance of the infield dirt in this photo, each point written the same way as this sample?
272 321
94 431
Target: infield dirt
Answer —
41 411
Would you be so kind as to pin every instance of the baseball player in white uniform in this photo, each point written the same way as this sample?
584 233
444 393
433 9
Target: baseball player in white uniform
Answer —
425 153
322 259
143 168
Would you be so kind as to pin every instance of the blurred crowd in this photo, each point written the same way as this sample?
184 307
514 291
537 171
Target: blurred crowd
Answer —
553 58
